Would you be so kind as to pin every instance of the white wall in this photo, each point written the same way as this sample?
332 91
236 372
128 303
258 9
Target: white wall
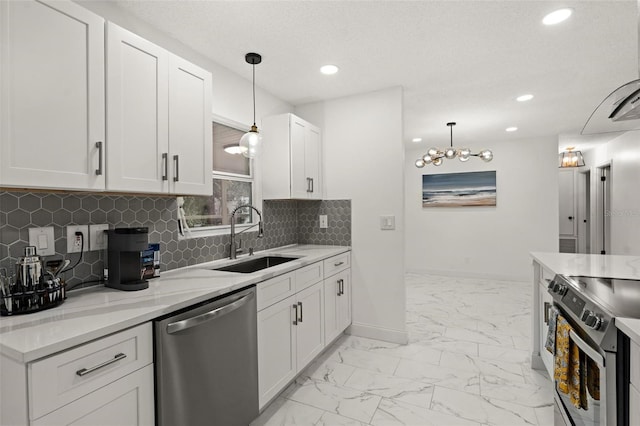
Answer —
491 242
363 160
231 93
624 154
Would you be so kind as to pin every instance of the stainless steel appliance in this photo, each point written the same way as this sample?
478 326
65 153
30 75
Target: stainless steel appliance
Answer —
207 363
591 305
126 271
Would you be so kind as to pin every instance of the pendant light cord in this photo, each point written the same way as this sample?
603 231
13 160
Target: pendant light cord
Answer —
253 66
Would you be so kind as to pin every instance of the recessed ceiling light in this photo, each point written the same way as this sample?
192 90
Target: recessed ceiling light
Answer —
557 16
329 69
524 98
511 129
416 140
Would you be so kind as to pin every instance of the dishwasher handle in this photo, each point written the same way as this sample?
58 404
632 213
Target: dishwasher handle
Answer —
177 326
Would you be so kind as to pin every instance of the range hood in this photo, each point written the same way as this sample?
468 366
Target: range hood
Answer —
620 111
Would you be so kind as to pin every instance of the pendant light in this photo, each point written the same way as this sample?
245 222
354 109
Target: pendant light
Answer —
570 158
251 141
435 155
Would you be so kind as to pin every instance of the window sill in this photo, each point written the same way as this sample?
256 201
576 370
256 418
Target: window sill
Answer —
213 231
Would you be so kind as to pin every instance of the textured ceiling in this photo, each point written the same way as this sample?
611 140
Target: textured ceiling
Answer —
462 61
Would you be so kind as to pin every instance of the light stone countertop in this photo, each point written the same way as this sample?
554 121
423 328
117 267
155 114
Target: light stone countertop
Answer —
597 265
94 312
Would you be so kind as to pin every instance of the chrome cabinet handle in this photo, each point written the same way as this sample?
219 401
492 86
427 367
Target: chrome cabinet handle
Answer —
295 316
339 287
300 304
338 264
85 371
165 166
308 184
341 283
311 185
176 161
99 169
174 327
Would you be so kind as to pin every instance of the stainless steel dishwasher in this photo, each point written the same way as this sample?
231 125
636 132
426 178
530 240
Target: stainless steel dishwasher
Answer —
206 362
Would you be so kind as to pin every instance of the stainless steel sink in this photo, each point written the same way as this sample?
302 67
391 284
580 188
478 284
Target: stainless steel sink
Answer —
255 264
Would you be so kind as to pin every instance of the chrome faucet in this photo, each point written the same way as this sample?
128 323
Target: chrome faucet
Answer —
233 251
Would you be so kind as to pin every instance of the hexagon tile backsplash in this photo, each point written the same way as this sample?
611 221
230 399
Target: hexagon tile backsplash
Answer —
285 222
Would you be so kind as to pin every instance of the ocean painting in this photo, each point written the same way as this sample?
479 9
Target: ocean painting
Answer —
459 189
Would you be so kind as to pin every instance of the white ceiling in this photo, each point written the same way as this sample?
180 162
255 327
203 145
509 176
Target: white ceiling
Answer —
463 61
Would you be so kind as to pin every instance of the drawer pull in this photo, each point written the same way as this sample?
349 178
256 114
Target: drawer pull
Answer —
85 371
338 264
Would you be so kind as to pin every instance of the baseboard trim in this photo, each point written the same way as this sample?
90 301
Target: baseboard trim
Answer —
466 274
379 333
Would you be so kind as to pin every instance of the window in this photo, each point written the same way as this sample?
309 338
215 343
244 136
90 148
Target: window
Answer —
232 186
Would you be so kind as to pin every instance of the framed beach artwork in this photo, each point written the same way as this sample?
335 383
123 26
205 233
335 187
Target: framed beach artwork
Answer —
459 189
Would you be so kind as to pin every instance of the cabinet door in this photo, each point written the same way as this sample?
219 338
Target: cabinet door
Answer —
300 184
310 327
127 401
276 349
137 113
312 161
337 304
344 301
52 95
634 406
190 128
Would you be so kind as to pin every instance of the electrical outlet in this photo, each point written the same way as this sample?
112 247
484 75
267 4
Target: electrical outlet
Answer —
324 222
76 243
97 237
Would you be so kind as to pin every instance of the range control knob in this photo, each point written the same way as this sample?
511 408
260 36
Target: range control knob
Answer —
593 321
560 289
585 315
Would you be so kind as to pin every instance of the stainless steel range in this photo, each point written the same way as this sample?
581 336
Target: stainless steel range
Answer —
590 305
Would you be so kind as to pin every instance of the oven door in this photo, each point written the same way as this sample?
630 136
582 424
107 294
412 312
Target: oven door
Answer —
595 413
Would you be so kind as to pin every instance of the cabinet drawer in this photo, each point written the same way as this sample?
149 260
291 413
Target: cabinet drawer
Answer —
308 275
66 376
273 290
337 263
634 376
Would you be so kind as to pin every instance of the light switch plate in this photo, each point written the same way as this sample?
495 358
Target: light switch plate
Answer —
97 237
387 223
324 221
43 240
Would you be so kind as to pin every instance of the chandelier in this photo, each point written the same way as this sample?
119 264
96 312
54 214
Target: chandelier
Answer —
570 158
435 155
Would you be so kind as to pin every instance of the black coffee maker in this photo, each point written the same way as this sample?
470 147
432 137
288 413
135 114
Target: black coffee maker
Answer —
124 259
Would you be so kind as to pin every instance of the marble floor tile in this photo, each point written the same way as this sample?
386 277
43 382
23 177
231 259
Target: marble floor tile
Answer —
504 353
527 394
545 415
330 419
467 381
354 404
365 359
399 389
479 336
495 371
392 413
284 412
482 410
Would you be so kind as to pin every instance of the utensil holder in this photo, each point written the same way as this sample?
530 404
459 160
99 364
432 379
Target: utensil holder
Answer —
21 300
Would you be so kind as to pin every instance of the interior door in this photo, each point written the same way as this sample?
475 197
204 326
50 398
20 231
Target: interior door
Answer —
566 192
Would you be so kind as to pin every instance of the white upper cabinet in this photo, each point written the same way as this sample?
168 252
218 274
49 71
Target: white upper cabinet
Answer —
52 96
137 113
158 119
291 158
190 128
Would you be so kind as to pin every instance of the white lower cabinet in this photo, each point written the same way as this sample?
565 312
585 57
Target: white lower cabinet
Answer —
634 385
299 314
108 381
127 401
290 335
337 303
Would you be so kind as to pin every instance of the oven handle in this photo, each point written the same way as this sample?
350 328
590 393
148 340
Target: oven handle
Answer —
584 347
